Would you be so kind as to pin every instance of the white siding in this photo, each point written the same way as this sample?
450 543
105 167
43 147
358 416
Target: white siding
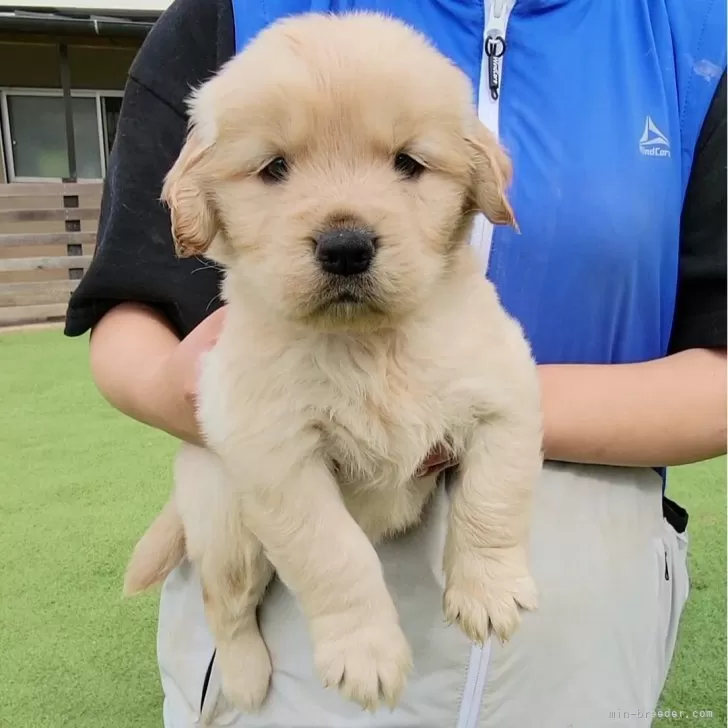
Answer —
97 6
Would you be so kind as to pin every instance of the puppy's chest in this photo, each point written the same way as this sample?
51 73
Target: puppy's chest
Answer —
379 419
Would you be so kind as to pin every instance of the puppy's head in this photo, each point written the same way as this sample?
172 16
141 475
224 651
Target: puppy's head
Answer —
333 168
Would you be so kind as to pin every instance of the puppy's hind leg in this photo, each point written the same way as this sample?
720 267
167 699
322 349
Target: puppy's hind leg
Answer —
234 573
233 584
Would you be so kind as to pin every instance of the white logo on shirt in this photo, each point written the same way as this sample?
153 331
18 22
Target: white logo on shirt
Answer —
653 143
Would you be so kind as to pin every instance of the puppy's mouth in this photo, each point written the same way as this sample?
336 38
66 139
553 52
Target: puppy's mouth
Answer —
347 299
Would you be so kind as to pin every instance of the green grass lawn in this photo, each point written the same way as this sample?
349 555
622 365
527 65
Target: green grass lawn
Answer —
78 485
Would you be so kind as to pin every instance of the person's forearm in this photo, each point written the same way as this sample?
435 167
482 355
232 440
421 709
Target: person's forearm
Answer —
665 412
128 352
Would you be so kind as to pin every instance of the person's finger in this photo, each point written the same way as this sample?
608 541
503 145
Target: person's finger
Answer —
434 465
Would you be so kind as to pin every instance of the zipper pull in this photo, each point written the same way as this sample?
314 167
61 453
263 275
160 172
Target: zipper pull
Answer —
495 42
495 48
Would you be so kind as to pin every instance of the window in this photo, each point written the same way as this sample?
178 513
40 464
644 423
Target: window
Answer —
38 133
35 133
110 109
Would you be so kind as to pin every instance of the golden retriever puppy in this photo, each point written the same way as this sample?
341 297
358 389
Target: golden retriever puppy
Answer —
334 169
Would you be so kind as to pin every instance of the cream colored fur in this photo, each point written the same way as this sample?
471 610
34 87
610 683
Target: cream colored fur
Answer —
316 412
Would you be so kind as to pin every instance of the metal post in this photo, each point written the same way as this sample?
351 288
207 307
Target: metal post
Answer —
68 109
3 172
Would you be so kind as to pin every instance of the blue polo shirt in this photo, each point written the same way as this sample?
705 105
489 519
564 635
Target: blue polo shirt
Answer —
599 105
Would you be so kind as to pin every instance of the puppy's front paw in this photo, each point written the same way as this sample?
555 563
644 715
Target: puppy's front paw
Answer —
245 669
489 588
367 665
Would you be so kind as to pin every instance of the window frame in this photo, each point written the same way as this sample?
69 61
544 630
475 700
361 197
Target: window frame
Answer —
101 105
6 132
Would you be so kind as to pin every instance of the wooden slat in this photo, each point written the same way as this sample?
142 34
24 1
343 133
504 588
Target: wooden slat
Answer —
45 263
59 215
34 293
46 202
53 201
31 189
21 239
34 284
13 315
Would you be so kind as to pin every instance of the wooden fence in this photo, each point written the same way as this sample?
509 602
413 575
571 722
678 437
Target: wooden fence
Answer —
47 239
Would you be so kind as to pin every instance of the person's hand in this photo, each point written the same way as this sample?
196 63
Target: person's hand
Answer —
176 382
437 460
191 348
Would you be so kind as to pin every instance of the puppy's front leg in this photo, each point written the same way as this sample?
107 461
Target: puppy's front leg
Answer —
326 560
486 553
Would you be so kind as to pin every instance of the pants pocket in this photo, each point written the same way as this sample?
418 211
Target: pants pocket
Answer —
673 592
215 709
185 650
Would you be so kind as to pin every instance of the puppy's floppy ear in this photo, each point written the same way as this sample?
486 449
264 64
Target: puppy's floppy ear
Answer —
194 219
491 174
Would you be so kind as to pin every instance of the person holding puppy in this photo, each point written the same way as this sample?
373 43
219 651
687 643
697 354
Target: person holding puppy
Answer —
618 277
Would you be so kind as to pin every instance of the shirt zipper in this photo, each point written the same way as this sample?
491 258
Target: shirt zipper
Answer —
491 70
495 47
491 82
498 13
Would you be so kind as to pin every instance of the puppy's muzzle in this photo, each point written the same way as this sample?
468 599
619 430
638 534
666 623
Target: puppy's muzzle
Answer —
345 251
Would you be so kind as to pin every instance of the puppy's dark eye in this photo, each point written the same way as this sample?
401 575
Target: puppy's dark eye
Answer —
275 171
407 166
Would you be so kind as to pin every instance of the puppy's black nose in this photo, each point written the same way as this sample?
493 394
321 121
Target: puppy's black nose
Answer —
345 252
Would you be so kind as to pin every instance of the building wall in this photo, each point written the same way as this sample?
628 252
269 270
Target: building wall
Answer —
135 7
37 65
36 150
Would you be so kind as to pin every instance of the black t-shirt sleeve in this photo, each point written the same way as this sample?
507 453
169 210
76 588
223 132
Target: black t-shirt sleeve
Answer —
134 258
700 310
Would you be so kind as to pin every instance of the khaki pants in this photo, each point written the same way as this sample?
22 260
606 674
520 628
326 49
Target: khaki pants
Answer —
613 581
